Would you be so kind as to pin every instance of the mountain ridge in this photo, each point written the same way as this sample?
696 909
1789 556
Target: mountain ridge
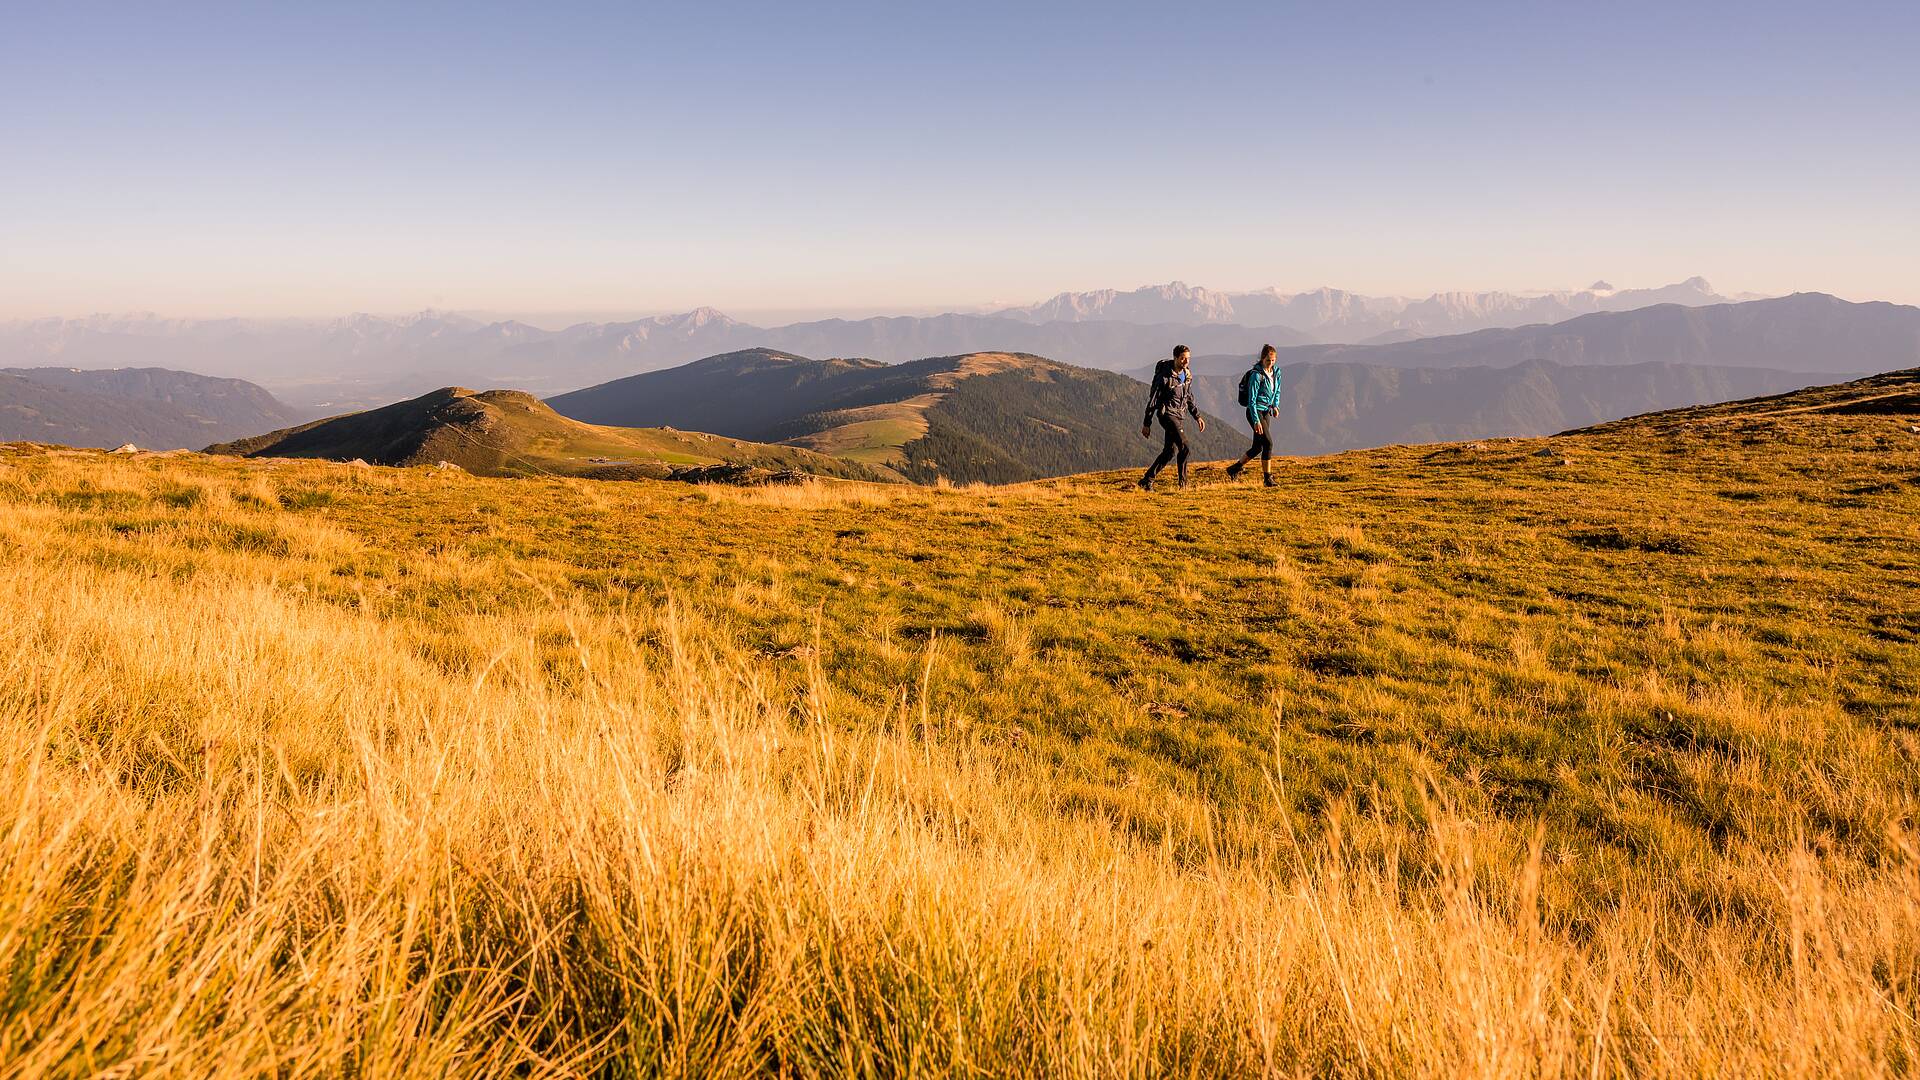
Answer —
513 433
369 359
1811 332
1331 407
1340 316
151 407
993 417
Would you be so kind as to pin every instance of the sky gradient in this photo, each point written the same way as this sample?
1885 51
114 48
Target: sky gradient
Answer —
315 159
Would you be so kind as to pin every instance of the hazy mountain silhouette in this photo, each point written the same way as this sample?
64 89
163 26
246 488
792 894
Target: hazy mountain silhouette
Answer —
1336 315
1810 332
1343 406
151 407
367 360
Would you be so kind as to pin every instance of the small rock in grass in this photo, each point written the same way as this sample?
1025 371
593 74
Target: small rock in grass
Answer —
125 448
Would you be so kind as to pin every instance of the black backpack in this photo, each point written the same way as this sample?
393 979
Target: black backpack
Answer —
1246 388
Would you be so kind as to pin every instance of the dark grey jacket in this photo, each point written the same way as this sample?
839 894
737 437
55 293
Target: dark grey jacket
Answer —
1170 393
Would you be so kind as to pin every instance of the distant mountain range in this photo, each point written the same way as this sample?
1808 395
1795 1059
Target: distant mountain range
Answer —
511 433
364 360
993 414
1806 332
989 417
150 407
1338 316
1326 408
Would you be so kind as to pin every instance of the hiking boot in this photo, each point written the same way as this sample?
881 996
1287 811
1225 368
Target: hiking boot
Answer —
1234 470
1271 482
1146 483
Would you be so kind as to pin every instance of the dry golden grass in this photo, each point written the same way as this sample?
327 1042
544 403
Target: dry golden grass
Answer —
265 819
815 494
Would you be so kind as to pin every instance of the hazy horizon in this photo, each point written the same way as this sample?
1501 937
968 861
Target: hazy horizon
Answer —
773 317
303 162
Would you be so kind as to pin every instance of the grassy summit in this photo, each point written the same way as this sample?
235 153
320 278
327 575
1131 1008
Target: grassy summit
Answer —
1593 754
512 433
987 417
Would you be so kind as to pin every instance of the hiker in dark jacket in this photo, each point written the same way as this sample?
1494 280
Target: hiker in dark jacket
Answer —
1170 394
1260 393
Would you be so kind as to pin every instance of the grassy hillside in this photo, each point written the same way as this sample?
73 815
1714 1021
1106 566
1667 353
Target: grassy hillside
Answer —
982 417
1591 755
1025 422
749 394
1893 394
510 433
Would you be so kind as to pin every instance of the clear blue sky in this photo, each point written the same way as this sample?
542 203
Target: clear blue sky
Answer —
322 157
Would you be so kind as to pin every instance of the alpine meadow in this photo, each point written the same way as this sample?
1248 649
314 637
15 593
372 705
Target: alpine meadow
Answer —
1044 541
1594 755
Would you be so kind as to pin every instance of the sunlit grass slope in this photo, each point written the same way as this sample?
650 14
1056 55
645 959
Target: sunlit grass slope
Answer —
512 433
1596 755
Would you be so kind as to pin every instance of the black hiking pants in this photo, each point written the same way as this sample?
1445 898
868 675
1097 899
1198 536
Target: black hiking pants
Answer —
1262 446
1175 447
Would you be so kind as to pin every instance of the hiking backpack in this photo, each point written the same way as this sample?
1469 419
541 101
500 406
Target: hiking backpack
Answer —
1246 388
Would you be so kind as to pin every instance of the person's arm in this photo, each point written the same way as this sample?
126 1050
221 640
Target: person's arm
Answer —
1153 395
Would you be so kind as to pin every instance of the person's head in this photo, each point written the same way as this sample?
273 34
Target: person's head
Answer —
1180 356
1268 355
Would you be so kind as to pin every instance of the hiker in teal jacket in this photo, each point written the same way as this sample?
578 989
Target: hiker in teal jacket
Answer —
1260 393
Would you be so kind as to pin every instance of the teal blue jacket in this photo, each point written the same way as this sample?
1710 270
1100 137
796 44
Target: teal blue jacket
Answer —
1263 395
